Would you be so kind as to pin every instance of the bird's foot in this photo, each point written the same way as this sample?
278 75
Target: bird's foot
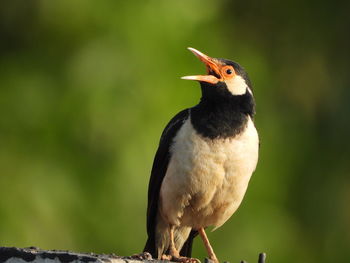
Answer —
184 259
166 257
142 256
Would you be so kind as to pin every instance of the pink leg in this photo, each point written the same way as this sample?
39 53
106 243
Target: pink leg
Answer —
207 245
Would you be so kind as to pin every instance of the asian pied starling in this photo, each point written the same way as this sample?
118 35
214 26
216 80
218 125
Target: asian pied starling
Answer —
203 164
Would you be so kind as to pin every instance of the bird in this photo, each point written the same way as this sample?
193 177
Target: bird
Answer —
203 164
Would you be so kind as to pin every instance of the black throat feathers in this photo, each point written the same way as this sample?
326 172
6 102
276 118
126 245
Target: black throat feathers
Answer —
221 114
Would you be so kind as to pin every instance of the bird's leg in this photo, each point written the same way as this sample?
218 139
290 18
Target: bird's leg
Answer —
207 245
172 249
174 253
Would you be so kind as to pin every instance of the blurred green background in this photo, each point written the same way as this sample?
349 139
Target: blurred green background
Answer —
86 88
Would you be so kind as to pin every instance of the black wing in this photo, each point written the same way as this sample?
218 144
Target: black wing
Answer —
159 168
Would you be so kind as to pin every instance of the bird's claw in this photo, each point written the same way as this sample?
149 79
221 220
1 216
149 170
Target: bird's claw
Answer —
180 259
185 260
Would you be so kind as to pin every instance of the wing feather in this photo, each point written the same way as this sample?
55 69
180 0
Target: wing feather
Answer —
159 168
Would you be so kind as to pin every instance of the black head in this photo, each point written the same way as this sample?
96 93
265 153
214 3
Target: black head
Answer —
224 77
227 101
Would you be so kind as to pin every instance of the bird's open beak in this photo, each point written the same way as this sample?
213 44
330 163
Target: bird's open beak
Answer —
213 76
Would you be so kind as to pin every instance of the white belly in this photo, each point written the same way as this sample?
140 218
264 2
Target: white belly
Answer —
207 179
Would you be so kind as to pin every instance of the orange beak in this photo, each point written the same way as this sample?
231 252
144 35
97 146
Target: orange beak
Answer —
212 67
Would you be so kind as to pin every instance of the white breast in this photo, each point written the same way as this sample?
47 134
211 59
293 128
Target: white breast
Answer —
207 179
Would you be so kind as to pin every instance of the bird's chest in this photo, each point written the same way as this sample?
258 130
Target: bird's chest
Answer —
211 175
203 160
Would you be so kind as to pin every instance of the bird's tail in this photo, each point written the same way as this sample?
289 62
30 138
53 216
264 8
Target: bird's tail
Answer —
150 247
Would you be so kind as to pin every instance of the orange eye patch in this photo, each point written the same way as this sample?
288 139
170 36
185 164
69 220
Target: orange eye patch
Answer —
228 72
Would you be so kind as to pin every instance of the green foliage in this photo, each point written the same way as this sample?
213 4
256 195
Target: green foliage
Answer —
86 88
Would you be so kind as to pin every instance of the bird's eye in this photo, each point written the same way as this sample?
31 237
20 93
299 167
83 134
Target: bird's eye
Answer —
228 72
